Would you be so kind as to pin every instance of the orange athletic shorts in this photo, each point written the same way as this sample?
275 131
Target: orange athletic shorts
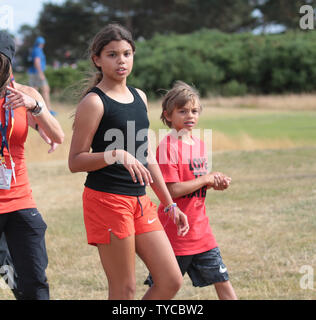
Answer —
122 215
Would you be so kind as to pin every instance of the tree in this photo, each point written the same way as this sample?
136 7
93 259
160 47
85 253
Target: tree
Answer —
147 17
28 35
282 12
67 28
70 26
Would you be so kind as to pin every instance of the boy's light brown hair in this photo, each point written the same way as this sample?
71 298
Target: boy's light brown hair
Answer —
180 94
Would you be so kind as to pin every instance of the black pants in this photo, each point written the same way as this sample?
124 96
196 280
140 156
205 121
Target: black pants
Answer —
6 266
25 236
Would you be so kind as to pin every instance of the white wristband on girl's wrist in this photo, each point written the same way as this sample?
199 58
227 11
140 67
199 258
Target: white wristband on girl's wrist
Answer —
170 209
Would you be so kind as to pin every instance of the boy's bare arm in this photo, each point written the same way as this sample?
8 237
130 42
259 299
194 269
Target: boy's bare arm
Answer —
179 189
215 180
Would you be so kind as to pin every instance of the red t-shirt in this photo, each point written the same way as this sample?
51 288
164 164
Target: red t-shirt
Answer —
180 162
19 196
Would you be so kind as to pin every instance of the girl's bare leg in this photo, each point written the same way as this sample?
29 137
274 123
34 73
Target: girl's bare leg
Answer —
118 261
155 250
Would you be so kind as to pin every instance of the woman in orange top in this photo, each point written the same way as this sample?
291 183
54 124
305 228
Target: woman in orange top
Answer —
20 221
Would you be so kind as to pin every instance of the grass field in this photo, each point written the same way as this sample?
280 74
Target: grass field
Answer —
264 223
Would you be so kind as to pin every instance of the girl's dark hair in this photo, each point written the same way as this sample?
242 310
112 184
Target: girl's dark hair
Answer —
5 72
112 32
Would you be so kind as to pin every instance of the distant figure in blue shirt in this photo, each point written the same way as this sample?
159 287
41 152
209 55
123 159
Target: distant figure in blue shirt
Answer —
36 73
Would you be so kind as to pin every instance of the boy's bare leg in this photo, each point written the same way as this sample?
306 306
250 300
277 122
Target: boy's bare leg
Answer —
225 291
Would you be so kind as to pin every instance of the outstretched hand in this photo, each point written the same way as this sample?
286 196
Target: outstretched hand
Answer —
136 169
17 99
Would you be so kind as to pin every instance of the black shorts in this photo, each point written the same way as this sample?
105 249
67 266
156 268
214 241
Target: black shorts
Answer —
204 268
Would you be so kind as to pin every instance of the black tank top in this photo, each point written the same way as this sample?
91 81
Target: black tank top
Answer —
123 126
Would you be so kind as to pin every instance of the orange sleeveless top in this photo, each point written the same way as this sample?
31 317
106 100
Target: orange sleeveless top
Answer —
20 194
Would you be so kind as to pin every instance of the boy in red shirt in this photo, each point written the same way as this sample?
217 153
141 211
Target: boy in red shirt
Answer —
183 162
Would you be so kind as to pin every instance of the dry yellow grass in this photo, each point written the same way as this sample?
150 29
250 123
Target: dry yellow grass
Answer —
245 142
271 102
213 107
264 223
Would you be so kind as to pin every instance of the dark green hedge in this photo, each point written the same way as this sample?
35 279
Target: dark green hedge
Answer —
216 63
228 64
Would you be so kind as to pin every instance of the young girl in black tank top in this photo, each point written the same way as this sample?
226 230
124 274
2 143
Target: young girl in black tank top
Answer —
111 119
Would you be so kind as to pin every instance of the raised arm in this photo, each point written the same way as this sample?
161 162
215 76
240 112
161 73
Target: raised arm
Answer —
25 96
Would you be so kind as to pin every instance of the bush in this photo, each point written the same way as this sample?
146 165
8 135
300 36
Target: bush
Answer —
229 64
215 62
66 83
21 77
234 88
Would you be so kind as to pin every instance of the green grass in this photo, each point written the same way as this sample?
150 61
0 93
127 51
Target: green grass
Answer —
264 223
296 126
250 129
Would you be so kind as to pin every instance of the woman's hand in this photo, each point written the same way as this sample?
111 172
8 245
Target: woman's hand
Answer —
53 145
136 169
17 99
